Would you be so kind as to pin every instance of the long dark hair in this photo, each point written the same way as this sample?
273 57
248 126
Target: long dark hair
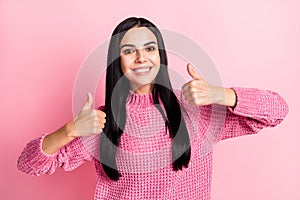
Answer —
118 86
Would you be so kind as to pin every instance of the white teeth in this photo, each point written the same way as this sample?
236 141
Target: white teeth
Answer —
142 70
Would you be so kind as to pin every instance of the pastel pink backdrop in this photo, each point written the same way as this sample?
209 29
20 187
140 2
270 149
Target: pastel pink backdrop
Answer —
252 43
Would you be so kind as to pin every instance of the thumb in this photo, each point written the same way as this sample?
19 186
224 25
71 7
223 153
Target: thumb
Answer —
193 72
88 103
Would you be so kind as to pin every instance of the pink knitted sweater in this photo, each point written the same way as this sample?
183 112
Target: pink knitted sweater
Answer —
144 155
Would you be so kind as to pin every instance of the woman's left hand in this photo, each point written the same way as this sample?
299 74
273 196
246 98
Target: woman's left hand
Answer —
198 92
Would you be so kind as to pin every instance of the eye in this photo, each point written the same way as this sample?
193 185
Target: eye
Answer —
150 48
128 51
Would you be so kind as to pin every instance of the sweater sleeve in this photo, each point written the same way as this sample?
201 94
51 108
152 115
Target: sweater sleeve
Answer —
255 109
34 161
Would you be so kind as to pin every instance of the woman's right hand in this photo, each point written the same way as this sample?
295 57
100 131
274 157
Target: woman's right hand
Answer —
89 121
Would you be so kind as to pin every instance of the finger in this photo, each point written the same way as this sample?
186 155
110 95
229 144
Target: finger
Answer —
100 113
101 126
101 120
88 103
193 73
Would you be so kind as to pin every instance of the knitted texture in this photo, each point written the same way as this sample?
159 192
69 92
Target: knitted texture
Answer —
144 155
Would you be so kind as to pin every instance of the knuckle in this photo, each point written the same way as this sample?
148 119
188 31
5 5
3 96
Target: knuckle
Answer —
193 83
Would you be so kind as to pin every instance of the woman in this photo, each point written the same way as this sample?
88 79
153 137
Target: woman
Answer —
150 141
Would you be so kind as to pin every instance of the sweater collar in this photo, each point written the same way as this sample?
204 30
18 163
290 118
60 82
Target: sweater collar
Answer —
139 99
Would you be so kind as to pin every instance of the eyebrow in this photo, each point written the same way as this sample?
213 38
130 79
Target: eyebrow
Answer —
131 45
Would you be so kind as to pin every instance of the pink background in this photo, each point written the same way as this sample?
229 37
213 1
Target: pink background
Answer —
252 43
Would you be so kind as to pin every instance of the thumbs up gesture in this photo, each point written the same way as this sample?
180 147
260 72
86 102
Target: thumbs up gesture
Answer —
197 91
89 121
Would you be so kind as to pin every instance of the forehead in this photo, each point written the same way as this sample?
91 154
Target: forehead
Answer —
138 36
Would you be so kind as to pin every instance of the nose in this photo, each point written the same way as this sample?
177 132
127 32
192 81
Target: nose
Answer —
140 56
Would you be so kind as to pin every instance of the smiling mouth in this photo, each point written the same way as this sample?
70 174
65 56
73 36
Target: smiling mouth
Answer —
142 70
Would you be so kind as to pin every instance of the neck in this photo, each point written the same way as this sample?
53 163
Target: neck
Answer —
144 89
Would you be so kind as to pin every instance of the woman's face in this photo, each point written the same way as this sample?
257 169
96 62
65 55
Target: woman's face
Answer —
140 60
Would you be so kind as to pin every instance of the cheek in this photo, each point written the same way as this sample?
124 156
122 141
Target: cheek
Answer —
124 65
156 59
